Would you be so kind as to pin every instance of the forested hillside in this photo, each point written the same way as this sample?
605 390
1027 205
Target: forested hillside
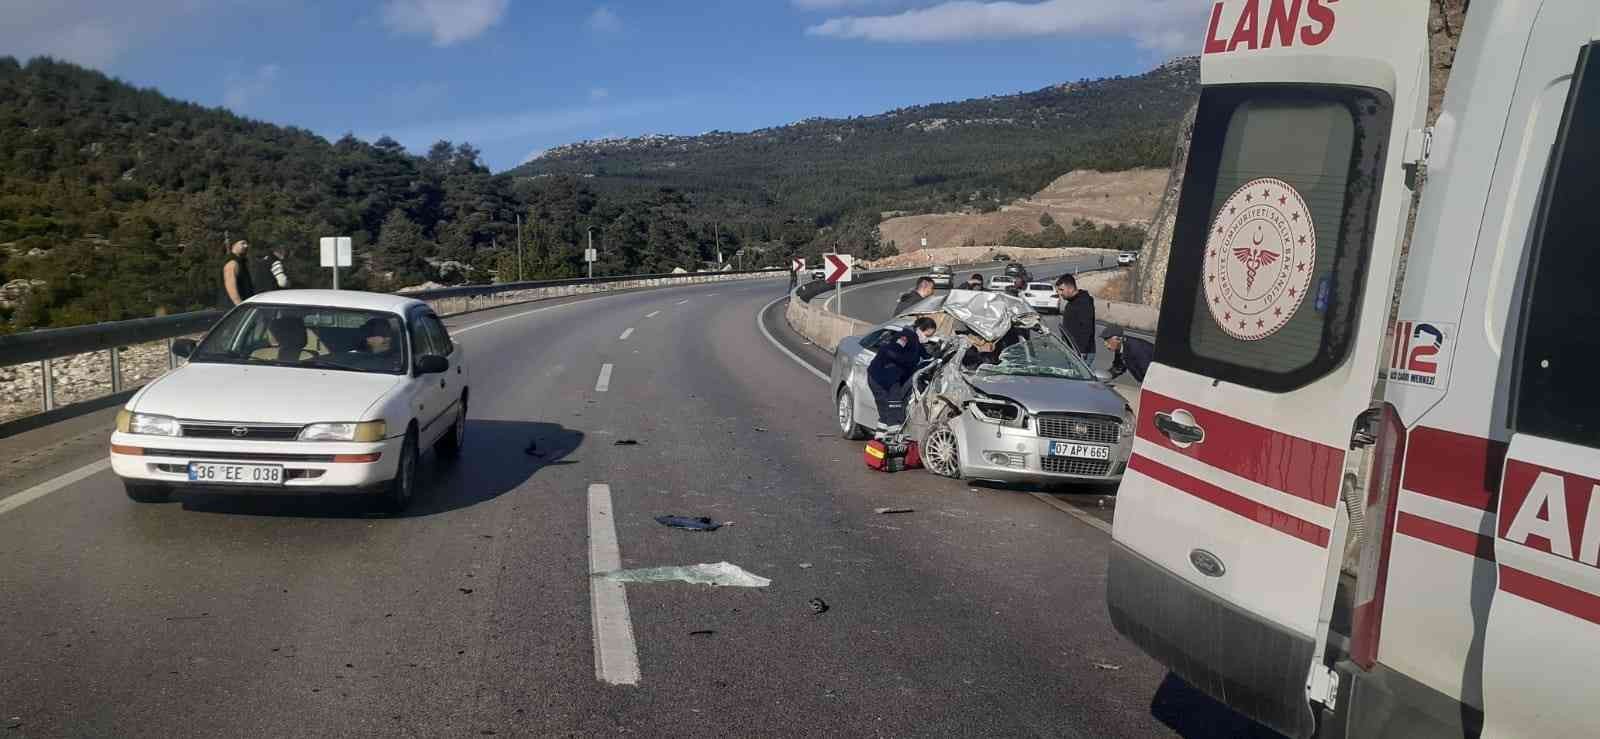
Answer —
116 202
972 154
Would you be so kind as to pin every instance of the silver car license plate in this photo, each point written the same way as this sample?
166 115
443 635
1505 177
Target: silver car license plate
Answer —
228 473
1079 451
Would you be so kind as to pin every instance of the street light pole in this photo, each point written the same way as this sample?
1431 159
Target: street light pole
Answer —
590 232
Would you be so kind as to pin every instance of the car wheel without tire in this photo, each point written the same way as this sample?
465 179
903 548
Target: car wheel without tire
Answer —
450 445
846 408
940 455
397 494
147 493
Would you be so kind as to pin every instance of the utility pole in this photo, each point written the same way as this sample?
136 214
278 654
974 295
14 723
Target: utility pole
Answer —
519 247
716 235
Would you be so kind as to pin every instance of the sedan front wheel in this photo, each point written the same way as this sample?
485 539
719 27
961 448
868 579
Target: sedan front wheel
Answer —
940 453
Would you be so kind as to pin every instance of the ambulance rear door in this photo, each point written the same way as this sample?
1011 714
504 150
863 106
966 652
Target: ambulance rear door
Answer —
1543 637
1228 527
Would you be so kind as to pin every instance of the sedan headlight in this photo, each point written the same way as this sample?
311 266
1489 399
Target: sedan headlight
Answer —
1130 423
345 431
148 424
999 413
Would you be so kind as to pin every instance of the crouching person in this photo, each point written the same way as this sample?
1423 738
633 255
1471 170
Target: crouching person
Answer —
889 375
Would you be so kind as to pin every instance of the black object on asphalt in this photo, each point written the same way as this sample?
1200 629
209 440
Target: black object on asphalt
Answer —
691 523
819 606
627 442
703 632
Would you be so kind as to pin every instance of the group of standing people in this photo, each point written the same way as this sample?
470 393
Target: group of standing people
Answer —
244 275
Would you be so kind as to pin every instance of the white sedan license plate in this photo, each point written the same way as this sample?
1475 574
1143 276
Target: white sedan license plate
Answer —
1079 451
236 474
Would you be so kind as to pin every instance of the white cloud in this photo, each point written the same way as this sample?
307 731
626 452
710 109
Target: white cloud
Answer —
242 91
447 22
95 33
599 93
604 20
1163 25
838 4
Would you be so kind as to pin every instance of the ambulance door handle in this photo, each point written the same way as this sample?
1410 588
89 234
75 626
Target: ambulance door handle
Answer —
1179 426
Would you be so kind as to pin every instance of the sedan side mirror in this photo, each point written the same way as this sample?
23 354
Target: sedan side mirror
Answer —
432 364
1103 376
183 348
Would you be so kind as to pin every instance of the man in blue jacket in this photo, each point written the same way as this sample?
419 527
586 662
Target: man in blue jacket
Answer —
1133 355
889 374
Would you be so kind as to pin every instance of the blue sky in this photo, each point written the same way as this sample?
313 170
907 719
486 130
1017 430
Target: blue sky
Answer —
515 77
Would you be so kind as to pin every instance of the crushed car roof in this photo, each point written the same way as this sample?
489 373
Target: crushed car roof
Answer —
987 314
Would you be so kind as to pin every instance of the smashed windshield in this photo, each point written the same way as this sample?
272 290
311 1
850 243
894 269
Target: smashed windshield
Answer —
1037 355
306 336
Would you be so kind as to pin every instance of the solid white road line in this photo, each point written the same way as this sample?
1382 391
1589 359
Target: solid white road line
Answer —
1073 511
616 656
797 360
477 326
681 302
604 383
625 335
652 314
45 488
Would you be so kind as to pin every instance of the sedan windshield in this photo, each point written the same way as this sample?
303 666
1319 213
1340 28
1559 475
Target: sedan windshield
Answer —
1038 355
307 336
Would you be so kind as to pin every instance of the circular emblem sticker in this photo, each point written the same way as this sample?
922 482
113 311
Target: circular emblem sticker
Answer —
1260 255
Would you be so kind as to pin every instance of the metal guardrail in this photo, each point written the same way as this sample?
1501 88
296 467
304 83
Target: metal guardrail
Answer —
46 345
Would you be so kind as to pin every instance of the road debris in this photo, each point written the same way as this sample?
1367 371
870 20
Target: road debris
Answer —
1107 666
689 523
721 574
805 565
703 632
886 511
761 429
465 591
818 606
626 442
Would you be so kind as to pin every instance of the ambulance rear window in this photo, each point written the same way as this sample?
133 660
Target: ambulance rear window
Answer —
1273 232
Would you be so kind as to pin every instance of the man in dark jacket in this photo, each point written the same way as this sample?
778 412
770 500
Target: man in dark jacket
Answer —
975 282
1077 316
916 295
889 374
1133 354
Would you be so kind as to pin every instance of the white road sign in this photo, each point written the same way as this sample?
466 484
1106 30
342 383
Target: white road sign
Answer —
336 251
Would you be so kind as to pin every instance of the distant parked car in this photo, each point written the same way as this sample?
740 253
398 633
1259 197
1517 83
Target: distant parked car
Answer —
1015 270
942 276
819 274
1041 296
1001 282
1002 257
1126 258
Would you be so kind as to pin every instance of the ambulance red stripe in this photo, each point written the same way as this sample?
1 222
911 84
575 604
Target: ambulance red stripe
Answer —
1231 502
1568 600
1299 467
1455 467
1445 535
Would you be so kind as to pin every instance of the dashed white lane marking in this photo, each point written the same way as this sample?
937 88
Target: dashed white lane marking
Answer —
681 302
797 360
625 335
604 383
652 314
616 655
45 488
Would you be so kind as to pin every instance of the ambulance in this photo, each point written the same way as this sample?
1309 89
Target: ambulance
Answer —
1364 493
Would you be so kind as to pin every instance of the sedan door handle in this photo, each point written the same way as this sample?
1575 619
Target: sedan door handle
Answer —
1179 426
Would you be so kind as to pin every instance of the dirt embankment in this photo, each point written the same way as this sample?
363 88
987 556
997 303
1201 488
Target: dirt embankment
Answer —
1109 198
978 254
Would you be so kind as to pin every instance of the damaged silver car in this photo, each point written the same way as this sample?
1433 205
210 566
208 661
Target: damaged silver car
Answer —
1004 399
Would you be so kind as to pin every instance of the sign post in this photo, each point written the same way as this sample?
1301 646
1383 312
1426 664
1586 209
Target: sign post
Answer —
841 269
336 254
590 256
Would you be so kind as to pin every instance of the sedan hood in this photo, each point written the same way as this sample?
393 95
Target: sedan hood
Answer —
264 394
1053 394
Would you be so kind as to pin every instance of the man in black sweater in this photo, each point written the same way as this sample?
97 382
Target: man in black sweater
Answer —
916 295
1077 316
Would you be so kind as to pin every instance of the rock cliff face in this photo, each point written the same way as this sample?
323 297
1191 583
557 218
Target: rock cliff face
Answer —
1447 17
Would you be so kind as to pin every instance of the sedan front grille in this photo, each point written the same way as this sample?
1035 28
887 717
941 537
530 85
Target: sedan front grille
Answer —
1084 467
1092 429
248 431
238 456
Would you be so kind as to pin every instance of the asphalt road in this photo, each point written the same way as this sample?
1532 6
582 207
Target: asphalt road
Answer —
980 613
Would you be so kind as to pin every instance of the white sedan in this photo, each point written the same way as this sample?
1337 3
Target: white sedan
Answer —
299 391
1041 296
